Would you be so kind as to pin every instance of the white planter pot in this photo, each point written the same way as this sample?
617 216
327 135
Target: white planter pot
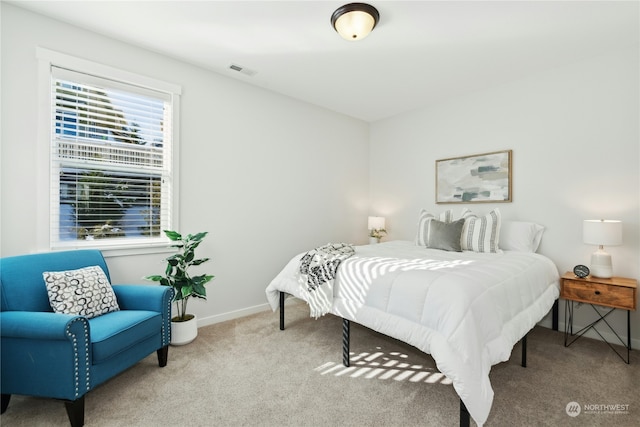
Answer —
373 240
184 332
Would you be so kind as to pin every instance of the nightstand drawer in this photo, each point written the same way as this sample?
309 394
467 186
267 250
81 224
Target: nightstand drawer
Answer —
601 294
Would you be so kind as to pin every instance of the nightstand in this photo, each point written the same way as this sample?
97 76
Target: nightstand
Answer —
615 293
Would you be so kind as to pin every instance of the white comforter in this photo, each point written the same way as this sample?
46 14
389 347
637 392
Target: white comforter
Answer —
466 309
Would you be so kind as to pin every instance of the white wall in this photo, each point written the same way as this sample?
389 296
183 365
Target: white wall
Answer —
574 132
251 166
246 154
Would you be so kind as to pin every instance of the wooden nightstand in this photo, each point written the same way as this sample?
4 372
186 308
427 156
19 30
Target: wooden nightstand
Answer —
616 293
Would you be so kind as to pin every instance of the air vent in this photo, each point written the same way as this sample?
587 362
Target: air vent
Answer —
243 70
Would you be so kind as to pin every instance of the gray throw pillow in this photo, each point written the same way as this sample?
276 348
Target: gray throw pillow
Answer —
445 236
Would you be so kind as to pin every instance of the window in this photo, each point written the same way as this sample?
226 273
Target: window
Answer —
111 161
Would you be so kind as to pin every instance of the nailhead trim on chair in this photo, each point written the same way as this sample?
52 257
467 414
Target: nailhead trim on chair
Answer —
166 333
76 362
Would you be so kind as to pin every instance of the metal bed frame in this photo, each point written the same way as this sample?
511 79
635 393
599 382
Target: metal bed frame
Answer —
465 418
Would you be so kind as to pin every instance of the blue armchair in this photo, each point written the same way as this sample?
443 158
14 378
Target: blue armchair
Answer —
63 356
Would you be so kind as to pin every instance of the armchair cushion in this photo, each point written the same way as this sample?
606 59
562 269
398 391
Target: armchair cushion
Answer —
116 332
85 291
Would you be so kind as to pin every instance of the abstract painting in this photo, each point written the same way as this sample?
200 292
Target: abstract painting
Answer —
474 179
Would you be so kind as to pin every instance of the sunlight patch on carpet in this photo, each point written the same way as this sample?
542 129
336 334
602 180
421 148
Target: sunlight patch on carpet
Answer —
384 366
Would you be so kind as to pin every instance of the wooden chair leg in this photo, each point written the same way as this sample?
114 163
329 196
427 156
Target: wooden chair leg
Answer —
5 402
75 411
163 356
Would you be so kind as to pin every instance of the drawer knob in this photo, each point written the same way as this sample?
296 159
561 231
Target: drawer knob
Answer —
597 292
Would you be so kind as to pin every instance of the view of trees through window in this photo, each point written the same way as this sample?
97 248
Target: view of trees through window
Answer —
108 152
98 204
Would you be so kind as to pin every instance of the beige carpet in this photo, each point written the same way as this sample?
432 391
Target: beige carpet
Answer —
246 372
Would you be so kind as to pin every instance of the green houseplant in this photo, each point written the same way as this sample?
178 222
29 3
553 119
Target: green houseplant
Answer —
177 275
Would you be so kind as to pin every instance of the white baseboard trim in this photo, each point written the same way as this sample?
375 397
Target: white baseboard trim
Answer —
602 328
230 315
608 335
223 317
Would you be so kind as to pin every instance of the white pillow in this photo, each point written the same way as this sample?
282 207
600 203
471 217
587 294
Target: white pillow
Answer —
521 236
481 233
85 292
424 222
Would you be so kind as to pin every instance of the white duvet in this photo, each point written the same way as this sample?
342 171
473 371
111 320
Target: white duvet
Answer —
466 309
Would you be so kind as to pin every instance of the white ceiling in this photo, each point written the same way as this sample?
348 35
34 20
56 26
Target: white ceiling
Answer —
420 53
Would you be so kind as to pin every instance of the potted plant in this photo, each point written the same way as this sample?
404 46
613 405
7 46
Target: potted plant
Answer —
184 326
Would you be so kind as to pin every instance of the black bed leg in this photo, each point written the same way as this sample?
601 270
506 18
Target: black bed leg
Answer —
464 415
554 316
282 311
345 342
524 351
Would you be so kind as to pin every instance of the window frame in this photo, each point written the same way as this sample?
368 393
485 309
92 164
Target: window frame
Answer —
46 59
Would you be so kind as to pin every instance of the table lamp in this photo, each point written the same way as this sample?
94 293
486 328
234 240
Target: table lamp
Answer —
602 232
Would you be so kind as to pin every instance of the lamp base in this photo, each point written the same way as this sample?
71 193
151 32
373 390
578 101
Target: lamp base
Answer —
601 264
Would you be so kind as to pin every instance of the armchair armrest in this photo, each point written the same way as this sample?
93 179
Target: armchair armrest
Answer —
143 297
148 297
45 354
36 325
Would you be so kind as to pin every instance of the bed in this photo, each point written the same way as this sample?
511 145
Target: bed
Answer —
466 309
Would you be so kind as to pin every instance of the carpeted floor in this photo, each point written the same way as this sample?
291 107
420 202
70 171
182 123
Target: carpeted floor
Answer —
246 372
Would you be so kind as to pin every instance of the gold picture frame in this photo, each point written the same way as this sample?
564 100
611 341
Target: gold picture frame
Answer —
479 178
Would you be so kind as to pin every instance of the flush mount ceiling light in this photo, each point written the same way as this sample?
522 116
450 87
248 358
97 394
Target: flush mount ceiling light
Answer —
354 21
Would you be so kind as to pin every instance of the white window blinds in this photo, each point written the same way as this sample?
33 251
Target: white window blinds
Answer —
111 165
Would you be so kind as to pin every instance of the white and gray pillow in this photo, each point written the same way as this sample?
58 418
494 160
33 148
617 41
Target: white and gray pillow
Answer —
84 292
481 233
424 223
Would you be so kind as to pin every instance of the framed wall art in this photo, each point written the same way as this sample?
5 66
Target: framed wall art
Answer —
481 178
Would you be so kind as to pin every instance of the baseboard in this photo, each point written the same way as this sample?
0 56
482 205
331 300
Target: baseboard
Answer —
608 335
230 315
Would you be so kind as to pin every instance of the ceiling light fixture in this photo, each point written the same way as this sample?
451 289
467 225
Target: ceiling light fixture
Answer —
354 21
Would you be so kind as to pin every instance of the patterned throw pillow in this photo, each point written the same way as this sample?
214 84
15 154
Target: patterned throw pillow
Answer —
85 292
424 224
481 233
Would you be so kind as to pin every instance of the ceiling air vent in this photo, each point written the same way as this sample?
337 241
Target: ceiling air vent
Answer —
242 70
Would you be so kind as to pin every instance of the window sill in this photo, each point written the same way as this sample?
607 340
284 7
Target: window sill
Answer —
119 249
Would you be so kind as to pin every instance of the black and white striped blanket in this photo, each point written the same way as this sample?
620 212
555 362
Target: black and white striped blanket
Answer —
318 269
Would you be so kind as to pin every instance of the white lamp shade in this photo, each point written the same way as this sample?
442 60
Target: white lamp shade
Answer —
602 232
376 223
355 25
